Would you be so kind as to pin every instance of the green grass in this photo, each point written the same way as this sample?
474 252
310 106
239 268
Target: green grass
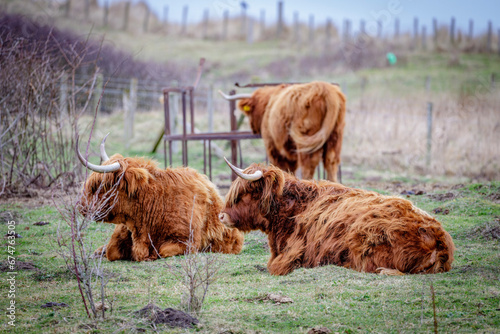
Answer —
345 301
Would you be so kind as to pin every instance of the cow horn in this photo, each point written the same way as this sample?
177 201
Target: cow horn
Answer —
250 177
104 156
236 96
96 168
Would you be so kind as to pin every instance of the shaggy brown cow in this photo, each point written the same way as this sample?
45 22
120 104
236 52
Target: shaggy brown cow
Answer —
155 210
300 124
311 224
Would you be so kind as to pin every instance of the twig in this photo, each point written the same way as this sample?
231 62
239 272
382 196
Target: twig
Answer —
434 309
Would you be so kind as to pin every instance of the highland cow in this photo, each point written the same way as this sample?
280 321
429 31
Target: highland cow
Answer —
310 224
300 124
156 212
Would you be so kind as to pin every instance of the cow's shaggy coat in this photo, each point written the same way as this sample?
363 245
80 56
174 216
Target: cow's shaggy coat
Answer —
311 224
154 211
300 125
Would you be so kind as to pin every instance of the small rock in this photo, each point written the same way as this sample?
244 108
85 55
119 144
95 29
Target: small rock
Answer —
54 304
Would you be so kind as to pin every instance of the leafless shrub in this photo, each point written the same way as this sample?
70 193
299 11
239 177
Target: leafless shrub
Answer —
196 272
76 248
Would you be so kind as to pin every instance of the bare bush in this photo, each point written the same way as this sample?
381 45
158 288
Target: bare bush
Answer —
196 272
76 248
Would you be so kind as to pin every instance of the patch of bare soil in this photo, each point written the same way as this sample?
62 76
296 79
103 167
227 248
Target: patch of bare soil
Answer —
168 316
319 330
276 298
33 198
4 267
404 188
488 230
494 197
442 197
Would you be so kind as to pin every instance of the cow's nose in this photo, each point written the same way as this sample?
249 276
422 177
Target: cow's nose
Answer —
222 217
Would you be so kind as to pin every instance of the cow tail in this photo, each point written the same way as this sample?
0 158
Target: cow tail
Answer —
335 106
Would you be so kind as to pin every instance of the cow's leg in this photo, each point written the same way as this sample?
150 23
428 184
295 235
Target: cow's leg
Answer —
119 246
389 272
168 249
331 152
277 159
140 247
290 258
308 163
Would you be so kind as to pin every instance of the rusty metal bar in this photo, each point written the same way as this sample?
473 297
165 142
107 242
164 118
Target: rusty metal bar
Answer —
254 85
234 127
166 111
184 130
191 109
205 157
216 136
210 159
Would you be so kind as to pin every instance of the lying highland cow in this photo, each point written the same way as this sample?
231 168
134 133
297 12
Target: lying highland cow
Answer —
312 224
155 210
300 124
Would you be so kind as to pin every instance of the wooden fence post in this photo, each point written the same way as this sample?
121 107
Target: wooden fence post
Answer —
328 34
262 24
63 95
205 24
146 19
87 10
67 8
429 134
435 32
311 29
125 16
296 28
129 105
452 31
225 22
106 13
97 93
279 27
424 38
396 29
471 30
249 30
347 30
498 43
489 39
415 33
185 11
243 27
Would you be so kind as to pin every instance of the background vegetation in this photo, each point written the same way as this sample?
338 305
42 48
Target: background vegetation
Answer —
385 149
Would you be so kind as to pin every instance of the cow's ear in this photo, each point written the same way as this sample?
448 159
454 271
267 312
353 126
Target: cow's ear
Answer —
274 181
246 106
99 182
135 179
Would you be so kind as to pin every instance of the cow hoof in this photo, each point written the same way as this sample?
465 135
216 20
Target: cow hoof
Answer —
389 272
100 252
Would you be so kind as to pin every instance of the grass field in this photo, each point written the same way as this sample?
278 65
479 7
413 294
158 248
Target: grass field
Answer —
384 150
467 298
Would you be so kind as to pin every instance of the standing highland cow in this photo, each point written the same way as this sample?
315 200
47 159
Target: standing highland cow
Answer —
311 224
301 124
155 210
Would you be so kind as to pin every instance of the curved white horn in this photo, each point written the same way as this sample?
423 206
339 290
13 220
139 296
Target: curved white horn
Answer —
96 168
250 177
104 156
236 96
